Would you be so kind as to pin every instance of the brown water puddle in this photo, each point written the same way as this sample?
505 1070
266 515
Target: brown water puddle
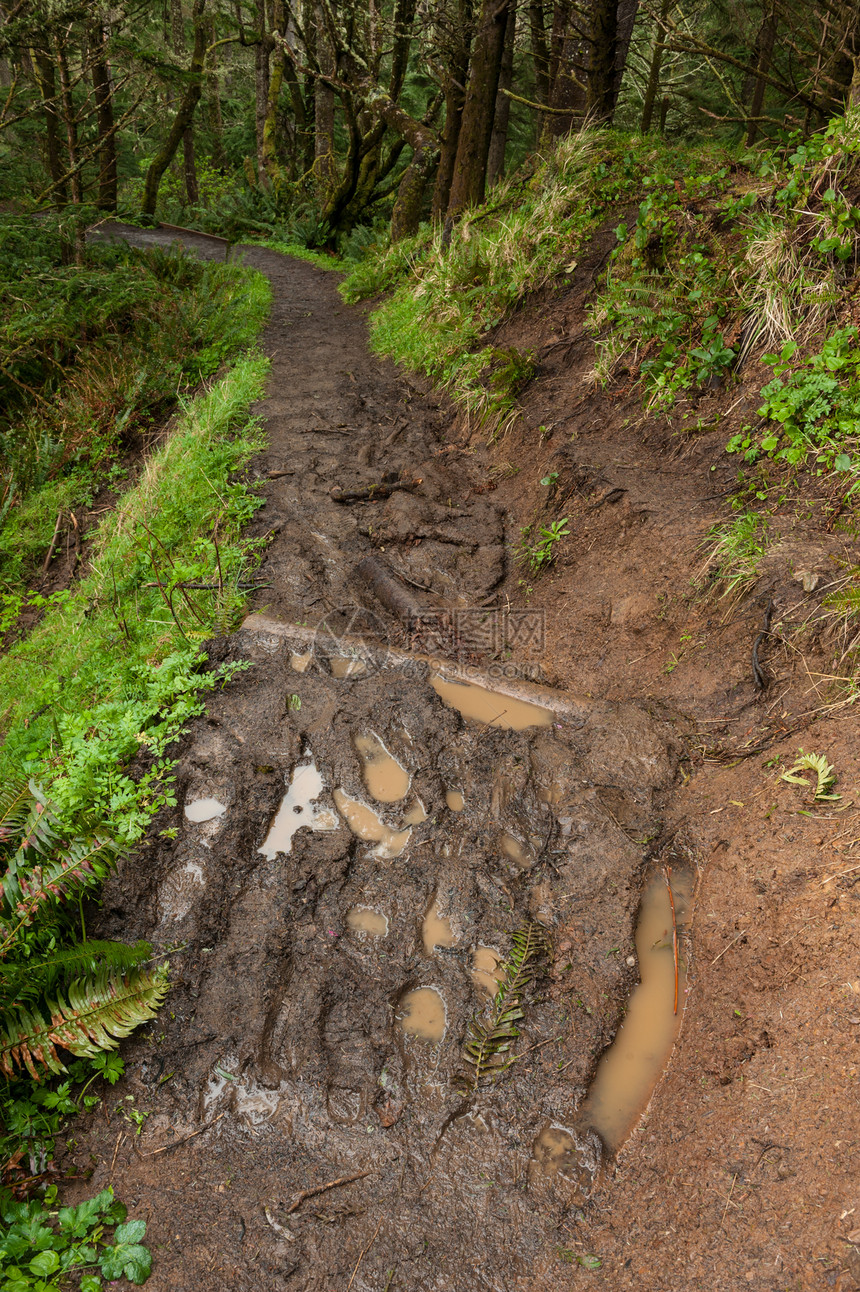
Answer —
486 973
554 1149
386 780
298 810
516 851
364 919
629 1071
300 663
204 810
489 707
346 666
415 814
436 929
422 1014
454 800
366 825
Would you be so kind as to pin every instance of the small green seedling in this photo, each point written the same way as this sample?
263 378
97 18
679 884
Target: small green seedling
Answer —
824 773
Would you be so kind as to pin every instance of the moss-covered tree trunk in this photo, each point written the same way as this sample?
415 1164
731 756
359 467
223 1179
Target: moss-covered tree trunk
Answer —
103 95
470 168
499 137
184 114
48 89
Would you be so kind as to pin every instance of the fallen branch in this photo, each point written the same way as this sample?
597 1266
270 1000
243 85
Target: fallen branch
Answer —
371 492
322 1188
666 873
185 1138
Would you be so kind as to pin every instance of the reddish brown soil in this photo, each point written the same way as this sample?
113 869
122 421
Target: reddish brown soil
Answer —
744 1171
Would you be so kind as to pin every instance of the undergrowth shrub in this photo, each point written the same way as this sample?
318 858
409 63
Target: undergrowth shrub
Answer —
92 357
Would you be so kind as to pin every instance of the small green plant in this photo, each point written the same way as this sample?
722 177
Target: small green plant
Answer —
40 1247
825 776
541 552
548 481
81 997
493 1031
736 552
813 408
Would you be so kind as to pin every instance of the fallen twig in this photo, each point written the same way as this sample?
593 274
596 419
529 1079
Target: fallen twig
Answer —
725 948
666 873
321 1188
363 1254
53 543
185 1138
382 490
759 678
278 1228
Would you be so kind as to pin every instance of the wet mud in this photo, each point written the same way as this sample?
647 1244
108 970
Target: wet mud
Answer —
361 830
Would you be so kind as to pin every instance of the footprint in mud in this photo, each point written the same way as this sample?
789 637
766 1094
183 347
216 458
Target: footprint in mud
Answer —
386 779
364 919
298 810
436 929
487 974
455 801
200 810
422 1014
366 825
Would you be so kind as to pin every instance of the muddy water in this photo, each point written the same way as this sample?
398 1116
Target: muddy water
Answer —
415 813
422 1014
454 800
298 810
386 780
364 919
347 666
204 810
632 1066
489 707
517 852
436 930
365 824
486 974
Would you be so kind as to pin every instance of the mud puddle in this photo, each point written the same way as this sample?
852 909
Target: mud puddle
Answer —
631 1068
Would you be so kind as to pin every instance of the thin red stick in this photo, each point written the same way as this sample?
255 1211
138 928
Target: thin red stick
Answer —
666 872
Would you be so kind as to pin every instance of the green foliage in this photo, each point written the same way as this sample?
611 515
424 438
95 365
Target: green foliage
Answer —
90 355
825 776
813 408
541 552
737 548
50 995
41 1247
493 1031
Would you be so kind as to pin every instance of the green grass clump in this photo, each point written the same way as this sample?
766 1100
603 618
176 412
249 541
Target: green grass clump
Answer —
447 294
112 670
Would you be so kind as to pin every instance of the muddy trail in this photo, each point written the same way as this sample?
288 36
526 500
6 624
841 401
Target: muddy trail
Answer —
428 767
363 834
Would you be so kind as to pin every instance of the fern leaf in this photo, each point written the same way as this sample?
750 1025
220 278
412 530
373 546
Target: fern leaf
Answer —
15 803
26 893
33 978
98 1013
493 1031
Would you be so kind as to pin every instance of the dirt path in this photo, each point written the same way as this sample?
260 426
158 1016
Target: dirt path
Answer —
284 1059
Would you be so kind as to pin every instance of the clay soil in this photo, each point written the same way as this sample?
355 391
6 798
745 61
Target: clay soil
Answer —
279 1065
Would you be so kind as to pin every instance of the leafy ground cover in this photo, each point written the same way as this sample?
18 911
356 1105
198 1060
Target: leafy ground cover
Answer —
91 699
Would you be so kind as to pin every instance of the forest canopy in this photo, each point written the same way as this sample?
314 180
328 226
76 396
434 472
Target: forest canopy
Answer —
322 116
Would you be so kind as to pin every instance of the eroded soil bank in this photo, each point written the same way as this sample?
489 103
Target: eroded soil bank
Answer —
289 1056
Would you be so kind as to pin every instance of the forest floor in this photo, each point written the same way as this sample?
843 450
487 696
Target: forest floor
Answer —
279 1063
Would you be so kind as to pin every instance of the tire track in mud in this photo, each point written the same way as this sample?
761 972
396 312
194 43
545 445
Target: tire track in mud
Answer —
283 1031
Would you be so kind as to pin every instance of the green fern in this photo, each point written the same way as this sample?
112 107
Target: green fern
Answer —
493 1031
84 997
98 1013
825 776
846 601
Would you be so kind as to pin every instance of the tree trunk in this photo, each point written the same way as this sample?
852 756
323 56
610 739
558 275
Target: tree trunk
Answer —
499 137
477 126
261 84
325 173
47 89
189 167
271 171
213 86
764 48
69 121
458 75
103 95
406 216
624 24
184 115
567 71
652 86
540 50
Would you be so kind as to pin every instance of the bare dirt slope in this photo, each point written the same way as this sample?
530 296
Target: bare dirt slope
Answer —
280 1064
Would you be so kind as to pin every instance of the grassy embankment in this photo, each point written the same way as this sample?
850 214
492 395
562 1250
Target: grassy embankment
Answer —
717 260
93 695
